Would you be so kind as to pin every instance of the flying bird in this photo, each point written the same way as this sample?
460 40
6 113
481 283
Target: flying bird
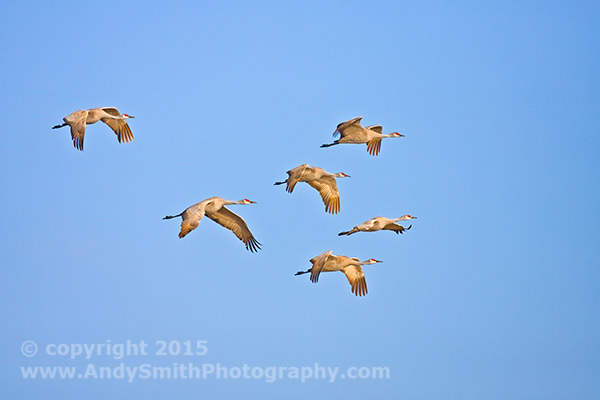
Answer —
353 132
321 180
351 267
109 115
214 208
380 223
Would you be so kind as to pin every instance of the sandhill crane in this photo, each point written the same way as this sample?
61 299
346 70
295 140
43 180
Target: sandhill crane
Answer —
380 223
321 180
214 208
353 132
351 267
109 115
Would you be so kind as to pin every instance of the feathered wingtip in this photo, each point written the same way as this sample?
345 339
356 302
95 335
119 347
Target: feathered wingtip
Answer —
402 230
253 245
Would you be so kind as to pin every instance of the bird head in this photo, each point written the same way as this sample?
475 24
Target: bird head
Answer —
342 175
396 134
373 261
407 217
128 116
246 201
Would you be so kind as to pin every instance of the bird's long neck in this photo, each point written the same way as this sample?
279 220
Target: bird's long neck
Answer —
235 202
229 202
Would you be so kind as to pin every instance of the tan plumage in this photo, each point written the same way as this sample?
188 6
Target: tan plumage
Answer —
380 223
351 267
109 115
356 278
319 179
214 208
353 132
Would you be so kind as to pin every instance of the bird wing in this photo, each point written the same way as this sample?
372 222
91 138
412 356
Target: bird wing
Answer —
318 262
344 125
237 225
396 228
76 121
327 187
374 146
191 219
295 175
375 128
120 127
111 111
356 277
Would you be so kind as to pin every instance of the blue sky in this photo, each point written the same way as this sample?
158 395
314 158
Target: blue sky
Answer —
493 293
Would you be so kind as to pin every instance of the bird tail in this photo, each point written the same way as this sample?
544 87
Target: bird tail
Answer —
173 216
303 272
280 183
59 126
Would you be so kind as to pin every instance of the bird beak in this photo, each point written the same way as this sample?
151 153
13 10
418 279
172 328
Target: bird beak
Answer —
413 217
348 176
378 261
252 202
131 116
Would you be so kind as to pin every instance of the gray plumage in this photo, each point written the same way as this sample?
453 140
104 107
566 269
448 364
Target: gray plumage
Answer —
380 223
350 266
353 132
109 115
214 208
319 179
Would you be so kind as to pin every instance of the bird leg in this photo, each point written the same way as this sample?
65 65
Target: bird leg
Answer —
348 233
173 216
330 144
59 126
280 183
303 272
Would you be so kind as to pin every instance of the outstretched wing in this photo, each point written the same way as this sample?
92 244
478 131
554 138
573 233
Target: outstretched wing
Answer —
120 127
111 111
356 277
374 146
345 125
294 176
191 219
237 225
327 187
396 228
318 262
375 128
76 121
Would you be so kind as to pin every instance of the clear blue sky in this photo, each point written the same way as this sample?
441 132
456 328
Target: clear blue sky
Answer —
494 293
